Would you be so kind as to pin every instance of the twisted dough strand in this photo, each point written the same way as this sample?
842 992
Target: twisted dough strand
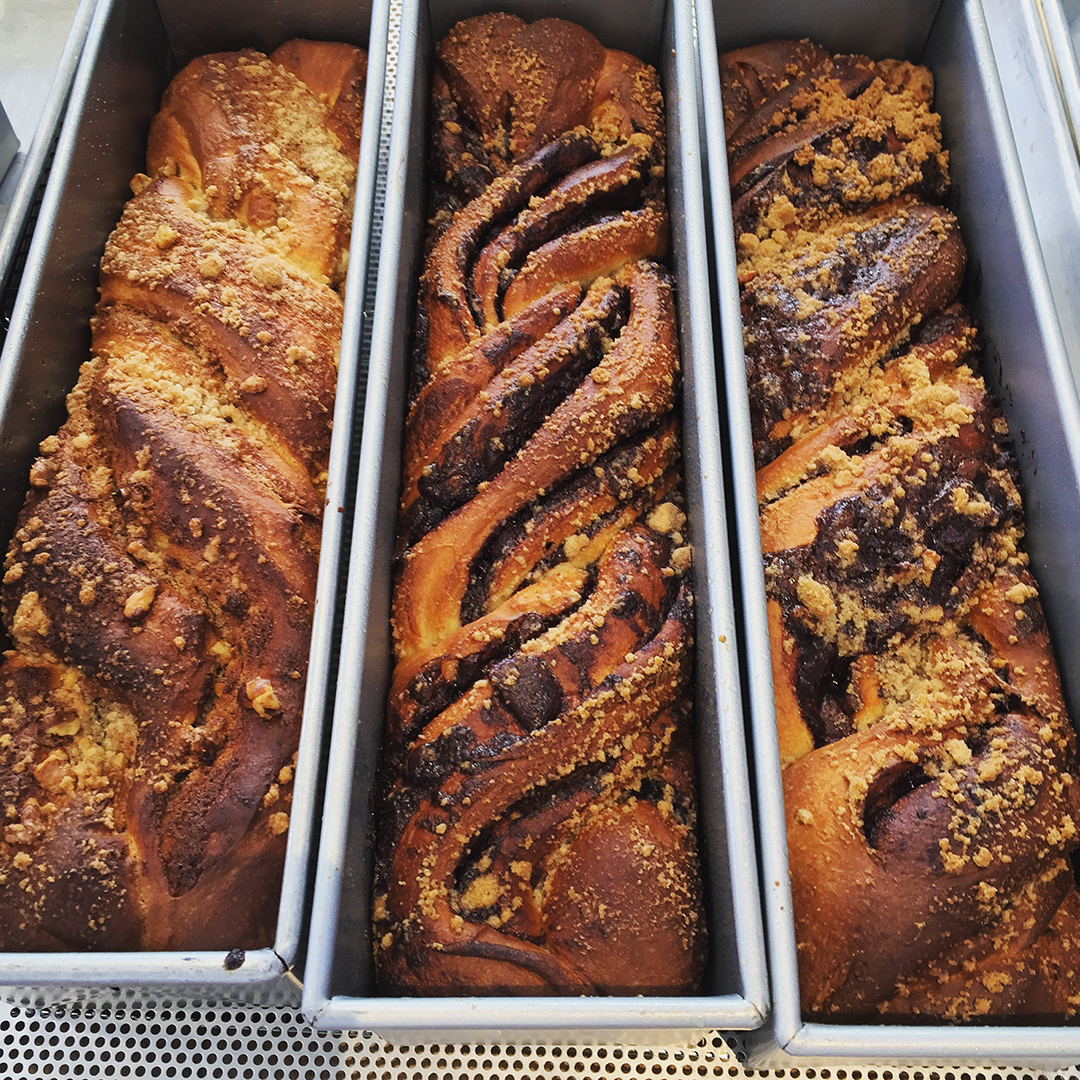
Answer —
161 581
928 760
537 831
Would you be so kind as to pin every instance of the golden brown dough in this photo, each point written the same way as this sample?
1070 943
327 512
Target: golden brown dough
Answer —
537 829
160 585
928 759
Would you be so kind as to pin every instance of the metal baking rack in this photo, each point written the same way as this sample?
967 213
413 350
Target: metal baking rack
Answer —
174 1038
128 1033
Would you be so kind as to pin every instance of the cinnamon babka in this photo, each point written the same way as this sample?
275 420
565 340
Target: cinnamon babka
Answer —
537 825
160 585
928 758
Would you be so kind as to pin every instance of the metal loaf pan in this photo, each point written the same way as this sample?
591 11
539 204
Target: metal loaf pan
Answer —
1027 368
339 986
132 50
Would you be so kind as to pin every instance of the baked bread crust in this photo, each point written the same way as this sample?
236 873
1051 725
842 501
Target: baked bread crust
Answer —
160 584
928 758
537 825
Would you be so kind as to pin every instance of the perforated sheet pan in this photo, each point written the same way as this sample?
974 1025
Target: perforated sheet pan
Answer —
132 50
339 981
1027 368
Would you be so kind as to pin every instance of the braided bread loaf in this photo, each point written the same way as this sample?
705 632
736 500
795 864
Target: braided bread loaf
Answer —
928 757
160 584
537 827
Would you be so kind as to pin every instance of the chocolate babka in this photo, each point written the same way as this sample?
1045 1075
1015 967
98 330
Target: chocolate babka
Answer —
160 585
928 758
537 827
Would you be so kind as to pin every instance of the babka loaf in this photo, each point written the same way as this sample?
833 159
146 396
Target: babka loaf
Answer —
928 759
160 584
537 822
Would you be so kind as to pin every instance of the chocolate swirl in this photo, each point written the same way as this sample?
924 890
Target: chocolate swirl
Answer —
928 759
537 830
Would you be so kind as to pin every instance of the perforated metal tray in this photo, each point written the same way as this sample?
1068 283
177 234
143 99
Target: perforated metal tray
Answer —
176 1037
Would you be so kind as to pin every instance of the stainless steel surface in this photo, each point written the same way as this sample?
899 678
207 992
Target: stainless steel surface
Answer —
125 67
1027 367
339 982
1061 23
36 90
1039 77
33 36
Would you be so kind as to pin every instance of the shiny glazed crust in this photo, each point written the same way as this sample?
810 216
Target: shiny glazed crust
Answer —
537 834
160 585
928 759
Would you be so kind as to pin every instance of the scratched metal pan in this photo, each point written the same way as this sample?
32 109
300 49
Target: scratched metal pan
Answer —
1027 368
132 50
339 986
